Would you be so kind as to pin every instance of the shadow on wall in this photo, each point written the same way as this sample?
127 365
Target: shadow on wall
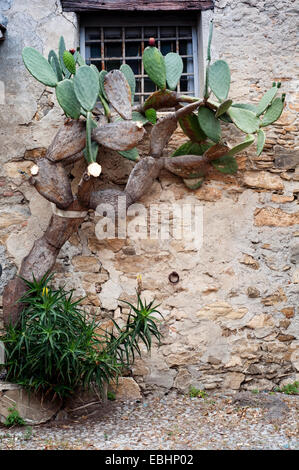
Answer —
3 26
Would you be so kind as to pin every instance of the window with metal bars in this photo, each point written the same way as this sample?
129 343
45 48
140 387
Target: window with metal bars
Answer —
108 47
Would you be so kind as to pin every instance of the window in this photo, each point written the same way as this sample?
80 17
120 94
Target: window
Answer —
109 43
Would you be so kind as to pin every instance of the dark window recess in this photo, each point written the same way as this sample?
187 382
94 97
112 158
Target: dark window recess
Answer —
108 47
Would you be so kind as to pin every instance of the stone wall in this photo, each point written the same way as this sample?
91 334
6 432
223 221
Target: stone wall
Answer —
232 319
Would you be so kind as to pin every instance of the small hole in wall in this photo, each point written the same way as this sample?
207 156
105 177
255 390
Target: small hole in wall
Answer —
174 277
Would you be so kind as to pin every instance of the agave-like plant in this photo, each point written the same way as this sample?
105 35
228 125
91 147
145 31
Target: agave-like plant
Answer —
56 347
120 126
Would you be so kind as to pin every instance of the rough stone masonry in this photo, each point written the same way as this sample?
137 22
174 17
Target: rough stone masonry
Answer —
232 319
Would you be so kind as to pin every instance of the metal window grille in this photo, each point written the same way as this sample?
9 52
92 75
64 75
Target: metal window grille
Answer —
109 47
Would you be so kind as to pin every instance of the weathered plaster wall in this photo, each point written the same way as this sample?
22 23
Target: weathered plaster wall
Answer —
232 320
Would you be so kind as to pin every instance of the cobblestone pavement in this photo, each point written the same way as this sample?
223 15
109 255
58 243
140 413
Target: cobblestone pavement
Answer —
172 422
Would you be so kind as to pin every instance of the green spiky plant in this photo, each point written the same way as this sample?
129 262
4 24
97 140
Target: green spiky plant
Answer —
56 348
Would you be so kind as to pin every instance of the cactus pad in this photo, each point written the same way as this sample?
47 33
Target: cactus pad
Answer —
69 62
151 115
118 93
39 67
102 76
191 148
261 139
226 164
129 74
61 49
194 183
86 86
273 112
219 79
191 128
119 135
79 59
90 152
249 140
67 99
225 105
131 154
154 65
174 69
266 100
161 99
244 119
54 62
250 107
209 124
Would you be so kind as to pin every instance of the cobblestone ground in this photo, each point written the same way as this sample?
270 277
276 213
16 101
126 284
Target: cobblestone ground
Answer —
171 422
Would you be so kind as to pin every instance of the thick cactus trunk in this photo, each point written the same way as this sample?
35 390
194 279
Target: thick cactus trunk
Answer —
39 261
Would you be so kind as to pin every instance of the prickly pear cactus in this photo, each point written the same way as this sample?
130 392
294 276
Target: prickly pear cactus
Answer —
79 87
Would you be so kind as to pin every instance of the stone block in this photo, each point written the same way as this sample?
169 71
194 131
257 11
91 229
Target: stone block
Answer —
271 217
126 389
33 408
86 264
263 180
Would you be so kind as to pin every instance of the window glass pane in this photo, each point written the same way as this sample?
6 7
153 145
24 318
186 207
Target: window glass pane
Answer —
133 49
150 31
184 84
185 31
97 64
149 85
135 66
132 33
112 33
112 64
167 32
183 47
168 46
188 65
187 84
138 85
95 51
92 34
113 49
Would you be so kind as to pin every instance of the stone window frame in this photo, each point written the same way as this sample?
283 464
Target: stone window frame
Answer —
199 20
